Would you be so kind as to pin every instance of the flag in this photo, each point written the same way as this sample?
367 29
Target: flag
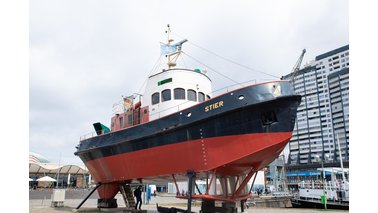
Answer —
167 49
127 103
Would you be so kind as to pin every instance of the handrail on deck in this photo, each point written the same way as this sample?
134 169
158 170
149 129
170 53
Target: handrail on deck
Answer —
213 94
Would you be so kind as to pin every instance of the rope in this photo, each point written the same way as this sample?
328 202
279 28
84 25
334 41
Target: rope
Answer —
153 68
211 68
229 60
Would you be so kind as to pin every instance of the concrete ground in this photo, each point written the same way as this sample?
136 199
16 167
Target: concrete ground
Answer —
40 202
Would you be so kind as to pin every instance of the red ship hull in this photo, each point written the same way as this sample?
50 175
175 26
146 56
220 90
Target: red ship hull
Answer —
228 155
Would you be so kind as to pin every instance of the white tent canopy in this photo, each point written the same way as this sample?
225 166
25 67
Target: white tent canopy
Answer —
46 179
48 168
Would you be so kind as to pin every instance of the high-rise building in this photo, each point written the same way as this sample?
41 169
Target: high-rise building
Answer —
323 116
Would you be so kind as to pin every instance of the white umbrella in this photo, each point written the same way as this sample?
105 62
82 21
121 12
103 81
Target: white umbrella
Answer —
47 179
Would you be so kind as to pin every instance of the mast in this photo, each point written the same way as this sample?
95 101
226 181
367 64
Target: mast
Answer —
172 51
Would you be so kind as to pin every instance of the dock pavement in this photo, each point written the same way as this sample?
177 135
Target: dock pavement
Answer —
40 202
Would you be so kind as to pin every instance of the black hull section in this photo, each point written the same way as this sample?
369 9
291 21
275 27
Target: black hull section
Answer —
253 109
316 204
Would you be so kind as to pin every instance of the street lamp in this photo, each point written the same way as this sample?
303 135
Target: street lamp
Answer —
323 197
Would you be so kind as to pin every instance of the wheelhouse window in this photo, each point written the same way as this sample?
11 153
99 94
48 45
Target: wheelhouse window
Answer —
192 95
166 95
179 93
208 97
201 97
155 98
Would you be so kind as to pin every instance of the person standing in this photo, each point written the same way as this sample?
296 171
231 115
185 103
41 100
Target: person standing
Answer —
138 195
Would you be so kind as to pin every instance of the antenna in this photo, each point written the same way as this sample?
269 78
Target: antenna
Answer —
173 50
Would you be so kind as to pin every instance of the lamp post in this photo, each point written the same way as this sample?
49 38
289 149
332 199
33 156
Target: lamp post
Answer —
323 197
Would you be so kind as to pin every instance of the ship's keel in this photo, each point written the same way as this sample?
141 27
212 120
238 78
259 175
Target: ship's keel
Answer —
227 207
107 192
233 189
107 203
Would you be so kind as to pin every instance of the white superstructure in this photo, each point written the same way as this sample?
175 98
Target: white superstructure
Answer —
167 91
175 89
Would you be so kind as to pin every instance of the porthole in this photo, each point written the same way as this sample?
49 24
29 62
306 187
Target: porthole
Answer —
241 97
188 114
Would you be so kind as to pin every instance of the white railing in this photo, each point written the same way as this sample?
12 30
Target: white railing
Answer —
88 135
232 87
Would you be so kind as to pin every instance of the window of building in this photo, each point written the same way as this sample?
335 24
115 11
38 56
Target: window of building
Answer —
179 93
166 95
201 97
155 98
192 95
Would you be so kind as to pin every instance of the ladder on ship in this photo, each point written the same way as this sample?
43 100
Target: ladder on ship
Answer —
127 195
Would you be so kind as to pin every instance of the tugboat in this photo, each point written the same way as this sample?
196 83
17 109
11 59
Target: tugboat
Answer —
178 130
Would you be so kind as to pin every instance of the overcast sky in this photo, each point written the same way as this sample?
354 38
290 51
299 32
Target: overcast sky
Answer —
86 55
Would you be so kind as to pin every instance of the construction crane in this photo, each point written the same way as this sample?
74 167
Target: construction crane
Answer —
297 66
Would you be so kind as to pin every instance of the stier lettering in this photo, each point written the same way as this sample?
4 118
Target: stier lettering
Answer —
214 106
